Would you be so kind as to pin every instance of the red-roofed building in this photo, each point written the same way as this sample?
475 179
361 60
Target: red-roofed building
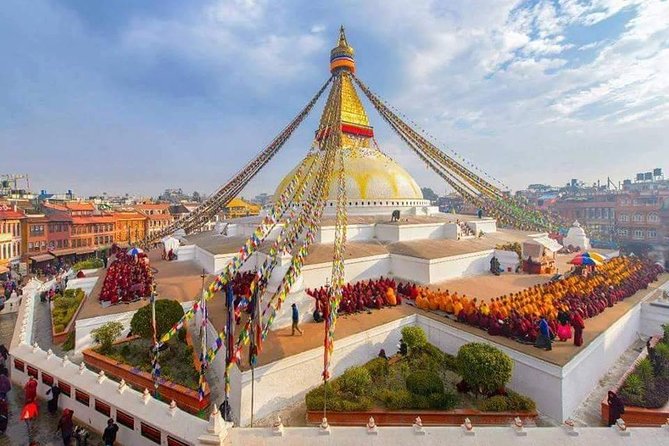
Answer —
157 215
10 236
60 226
34 229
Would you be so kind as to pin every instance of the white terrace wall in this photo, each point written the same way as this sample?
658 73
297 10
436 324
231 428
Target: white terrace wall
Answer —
533 377
463 265
287 381
83 327
653 316
95 398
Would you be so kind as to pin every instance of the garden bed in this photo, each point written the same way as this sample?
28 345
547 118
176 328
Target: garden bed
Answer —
139 376
64 311
637 377
423 381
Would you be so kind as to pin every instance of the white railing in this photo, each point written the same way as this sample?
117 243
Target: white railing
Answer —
94 398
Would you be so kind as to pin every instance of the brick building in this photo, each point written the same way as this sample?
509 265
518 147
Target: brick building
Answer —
35 237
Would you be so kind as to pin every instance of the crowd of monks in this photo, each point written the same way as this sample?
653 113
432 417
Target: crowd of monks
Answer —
563 302
128 278
360 296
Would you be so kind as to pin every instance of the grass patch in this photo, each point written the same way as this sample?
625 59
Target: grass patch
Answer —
88 264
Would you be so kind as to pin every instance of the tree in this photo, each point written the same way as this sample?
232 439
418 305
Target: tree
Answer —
484 367
414 337
197 197
168 313
106 335
428 194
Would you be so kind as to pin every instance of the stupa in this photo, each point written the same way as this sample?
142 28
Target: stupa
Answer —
576 237
375 183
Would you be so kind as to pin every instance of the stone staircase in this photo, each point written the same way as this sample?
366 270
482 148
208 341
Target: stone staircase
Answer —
466 231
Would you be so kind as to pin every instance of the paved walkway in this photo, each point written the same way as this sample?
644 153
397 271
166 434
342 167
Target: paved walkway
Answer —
589 412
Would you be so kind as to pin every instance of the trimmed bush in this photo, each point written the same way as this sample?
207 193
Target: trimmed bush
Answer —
377 368
424 382
69 342
106 335
414 337
519 402
497 403
443 401
88 264
484 367
450 362
64 308
665 337
396 399
335 401
355 381
168 313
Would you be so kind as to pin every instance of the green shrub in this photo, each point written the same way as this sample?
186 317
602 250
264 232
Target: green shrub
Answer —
69 342
335 401
396 399
665 337
519 402
450 362
497 403
419 402
59 328
106 335
414 337
88 264
377 368
168 313
355 381
633 390
484 367
424 382
443 401
645 370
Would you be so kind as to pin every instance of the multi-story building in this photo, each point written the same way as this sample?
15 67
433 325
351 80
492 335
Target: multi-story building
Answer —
597 211
58 233
91 233
10 236
130 227
158 216
35 229
639 217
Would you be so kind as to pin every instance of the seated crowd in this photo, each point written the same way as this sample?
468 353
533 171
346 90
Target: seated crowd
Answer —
128 279
359 296
562 303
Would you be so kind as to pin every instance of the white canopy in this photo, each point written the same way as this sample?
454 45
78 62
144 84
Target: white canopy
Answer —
548 243
170 243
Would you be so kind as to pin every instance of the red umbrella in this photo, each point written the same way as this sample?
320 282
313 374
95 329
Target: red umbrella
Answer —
29 411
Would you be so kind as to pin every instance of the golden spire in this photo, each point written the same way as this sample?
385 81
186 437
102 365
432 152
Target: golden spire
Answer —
341 56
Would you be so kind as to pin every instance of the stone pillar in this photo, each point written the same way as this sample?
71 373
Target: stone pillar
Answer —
217 430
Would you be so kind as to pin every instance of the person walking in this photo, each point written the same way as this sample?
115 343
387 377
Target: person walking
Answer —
109 435
53 393
28 414
296 320
66 426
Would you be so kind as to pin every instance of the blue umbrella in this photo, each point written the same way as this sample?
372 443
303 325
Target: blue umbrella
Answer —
134 251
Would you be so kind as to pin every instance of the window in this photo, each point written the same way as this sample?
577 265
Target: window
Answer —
624 217
32 371
637 218
652 233
102 407
623 232
638 233
124 419
171 441
19 365
65 388
151 433
82 397
47 379
653 218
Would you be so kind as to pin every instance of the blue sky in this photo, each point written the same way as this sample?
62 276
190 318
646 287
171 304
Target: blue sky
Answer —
131 96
